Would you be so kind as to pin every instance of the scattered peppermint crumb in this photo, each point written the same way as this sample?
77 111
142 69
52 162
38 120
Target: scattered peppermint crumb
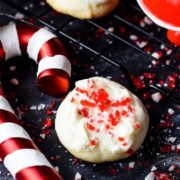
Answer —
173 148
33 108
109 77
78 176
19 16
41 106
147 20
156 97
154 62
133 37
96 72
168 62
111 29
42 136
131 164
168 52
172 139
155 55
141 44
171 168
14 81
162 46
150 176
92 67
170 111
12 68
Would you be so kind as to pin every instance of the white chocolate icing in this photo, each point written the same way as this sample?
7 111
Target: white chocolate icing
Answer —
101 116
24 158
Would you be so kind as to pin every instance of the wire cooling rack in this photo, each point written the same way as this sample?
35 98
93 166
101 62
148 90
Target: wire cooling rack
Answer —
126 40
126 26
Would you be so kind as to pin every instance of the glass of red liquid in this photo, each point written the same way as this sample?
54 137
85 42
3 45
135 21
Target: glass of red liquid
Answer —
165 13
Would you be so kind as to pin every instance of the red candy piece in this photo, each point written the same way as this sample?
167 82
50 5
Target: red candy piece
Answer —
87 103
90 127
174 36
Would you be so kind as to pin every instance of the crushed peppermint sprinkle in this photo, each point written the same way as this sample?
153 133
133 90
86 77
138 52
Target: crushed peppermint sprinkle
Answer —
14 81
171 168
170 111
42 136
78 176
172 139
12 68
41 107
150 176
33 108
156 97
131 164
100 112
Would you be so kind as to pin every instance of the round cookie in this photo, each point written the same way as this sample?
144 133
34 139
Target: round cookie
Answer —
100 120
84 9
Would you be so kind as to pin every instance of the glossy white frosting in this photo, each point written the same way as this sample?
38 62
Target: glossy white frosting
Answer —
100 116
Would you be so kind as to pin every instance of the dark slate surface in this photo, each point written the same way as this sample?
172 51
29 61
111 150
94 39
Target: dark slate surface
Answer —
93 45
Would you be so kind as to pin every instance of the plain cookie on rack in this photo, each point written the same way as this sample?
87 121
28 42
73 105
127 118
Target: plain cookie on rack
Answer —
84 9
100 120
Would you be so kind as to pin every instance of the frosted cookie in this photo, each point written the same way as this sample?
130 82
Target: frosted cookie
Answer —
100 120
84 9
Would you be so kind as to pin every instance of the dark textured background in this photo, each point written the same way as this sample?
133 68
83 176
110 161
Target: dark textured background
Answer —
103 47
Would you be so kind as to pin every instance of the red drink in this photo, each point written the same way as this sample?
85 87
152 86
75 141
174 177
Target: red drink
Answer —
165 13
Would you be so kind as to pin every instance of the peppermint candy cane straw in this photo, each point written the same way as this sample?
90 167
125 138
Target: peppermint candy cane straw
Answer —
18 152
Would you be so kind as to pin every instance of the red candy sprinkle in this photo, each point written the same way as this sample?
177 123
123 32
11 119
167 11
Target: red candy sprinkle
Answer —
165 148
84 112
103 94
87 103
124 102
82 91
49 111
114 121
107 126
125 144
137 126
124 113
138 82
161 176
94 96
121 139
112 171
100 121
72 100
93 142
90 127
